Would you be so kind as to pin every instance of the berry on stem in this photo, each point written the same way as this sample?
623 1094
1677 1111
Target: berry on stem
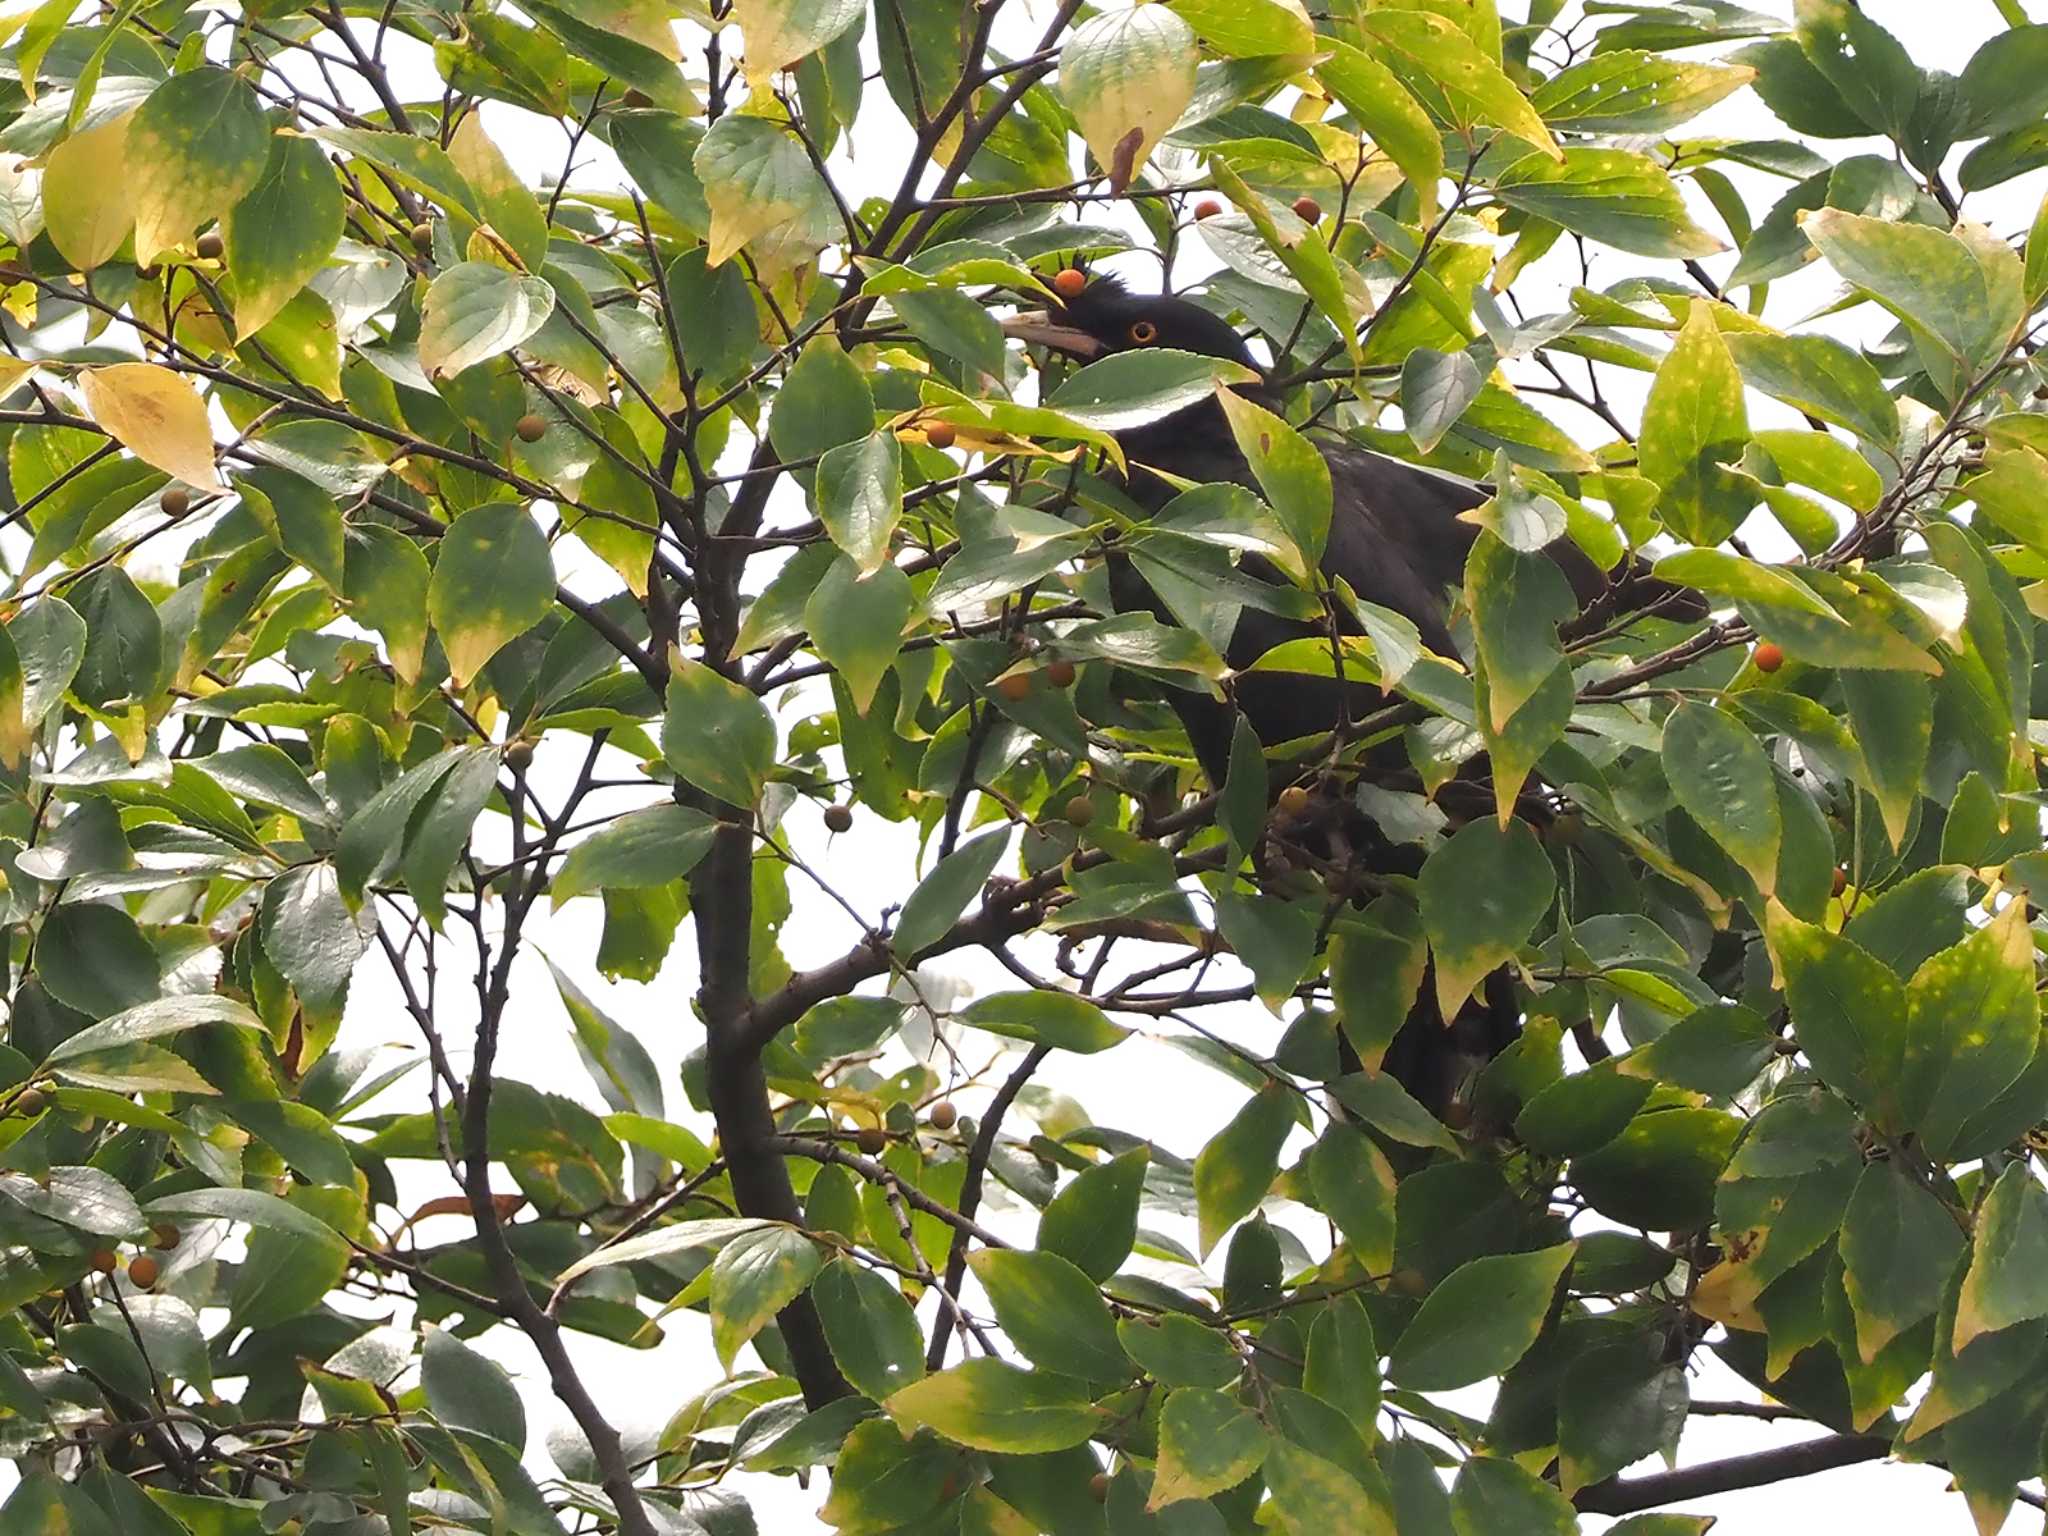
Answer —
531 428
940 434
944 1116
872 1140
1069 281
1768 657
1014 686
1308 208
211 247
1060 673
838 818
1208 208
142 1271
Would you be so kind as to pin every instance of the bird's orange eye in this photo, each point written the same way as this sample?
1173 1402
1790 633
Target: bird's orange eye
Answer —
1144 333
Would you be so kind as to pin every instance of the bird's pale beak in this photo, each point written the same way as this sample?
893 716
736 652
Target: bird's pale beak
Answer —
1037 328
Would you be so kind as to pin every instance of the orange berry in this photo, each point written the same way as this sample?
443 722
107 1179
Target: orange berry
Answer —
104 1261
1208 208
1308 208
165 1235
838 818
872 1140
1293 800
142 1271
531 428
1068 282
944 1116
1060 674
1014 686
940 434
1841 881
1768 657
1098 1487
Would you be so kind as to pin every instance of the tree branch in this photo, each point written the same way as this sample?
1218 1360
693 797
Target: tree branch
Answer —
1618 1496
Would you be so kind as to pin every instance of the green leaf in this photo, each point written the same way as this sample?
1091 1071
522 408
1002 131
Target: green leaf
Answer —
860 498
1127 76
417 161
312 937
825 401
763 193
882 1478
1493 1496
509 208
872 1331
1616 196
1290 470
857 622
754 1277
385 581
1517 602
1207 1443
1234 1171
440 828
1354 1187
205 139
1941 286
943 894
1276 939
2004 1285
656 845
465 1390
1848 1013
493 580
1058 1019
282 231
1343 1362
1630 91
1898 1246
95 959
1177 1351
1435 50
1821 376
1722 777
716 734
1479 1321
1619 1403
1238 29
1892 714
1376 967
247 1207
1052 1312
1482 892
1129 389
475 311
1093 1221
1694 422
1381 1102
1313 1493
1972 1024
1436 387
992 1405
1391 117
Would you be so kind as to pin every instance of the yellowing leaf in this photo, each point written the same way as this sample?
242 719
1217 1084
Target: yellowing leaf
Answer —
155 414
204 140
85 194
509 205
763 192
1127 76
780 32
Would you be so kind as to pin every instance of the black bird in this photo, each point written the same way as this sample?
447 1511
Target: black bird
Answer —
1395 535
1396 538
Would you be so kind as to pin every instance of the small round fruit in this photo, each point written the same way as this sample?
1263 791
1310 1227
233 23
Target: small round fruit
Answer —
1293 800
638 98
838 818
872 1140
940 434
1014 686
1410 1282
1308 208
1768 657
104 1262
165 1234
32 1102
176 501
1060 673
1068 282
519 756
1098 1487
1080 811
531 428
142 1271
1208 208
944 1116
1841 881
423 238
211 247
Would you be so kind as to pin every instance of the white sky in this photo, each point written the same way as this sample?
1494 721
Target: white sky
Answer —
1143 1087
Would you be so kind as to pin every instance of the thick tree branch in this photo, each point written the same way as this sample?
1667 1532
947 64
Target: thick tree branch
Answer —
1625 1496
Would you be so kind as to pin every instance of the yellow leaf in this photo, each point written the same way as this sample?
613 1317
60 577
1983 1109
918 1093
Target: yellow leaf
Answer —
156 415
85 194
1127 76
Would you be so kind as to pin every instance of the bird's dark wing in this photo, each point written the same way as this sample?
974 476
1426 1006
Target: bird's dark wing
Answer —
1395 536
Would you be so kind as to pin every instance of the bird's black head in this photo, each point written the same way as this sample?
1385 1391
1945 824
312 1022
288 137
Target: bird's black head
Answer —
1106 317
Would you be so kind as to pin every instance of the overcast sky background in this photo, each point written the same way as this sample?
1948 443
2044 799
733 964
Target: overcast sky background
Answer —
1143 1086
